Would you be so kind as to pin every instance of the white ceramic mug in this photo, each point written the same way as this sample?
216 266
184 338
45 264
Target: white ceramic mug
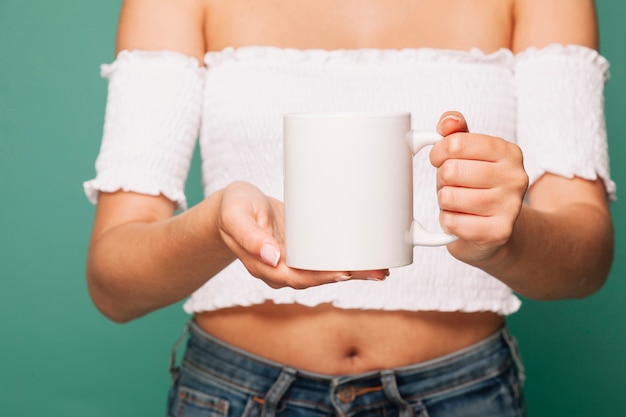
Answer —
349 191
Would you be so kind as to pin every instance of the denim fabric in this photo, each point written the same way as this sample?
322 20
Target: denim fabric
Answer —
216 379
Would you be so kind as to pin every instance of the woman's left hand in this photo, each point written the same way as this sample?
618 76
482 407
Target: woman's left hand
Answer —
481 184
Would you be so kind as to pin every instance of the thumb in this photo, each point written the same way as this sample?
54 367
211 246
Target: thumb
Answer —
451 122
245 219
246 237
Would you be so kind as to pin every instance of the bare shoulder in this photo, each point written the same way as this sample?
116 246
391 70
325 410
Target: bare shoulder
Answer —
176 25
542 22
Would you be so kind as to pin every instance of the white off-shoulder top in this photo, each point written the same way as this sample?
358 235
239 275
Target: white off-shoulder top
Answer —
549 101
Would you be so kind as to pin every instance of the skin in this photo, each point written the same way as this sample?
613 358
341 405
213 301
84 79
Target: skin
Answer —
558 245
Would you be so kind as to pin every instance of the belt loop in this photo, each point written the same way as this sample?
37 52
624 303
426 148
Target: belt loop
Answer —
390 387
173 367
276 392
517 358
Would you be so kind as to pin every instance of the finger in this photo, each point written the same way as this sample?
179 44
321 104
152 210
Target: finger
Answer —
255 242
478 202
375 275
451 122
485 231
270 253
284 276
243 232
471 146
469 173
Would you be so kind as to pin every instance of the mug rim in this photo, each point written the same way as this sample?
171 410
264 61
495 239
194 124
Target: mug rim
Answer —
347 114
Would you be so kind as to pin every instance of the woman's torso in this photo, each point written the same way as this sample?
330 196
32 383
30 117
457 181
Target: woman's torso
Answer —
325 339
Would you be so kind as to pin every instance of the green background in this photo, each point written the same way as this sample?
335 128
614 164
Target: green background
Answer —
60 357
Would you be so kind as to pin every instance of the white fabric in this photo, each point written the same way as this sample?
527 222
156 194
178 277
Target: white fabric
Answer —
247 91
151 124
561 113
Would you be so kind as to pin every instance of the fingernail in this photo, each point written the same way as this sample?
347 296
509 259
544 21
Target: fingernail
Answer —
381 278
270 254
451 117
342 278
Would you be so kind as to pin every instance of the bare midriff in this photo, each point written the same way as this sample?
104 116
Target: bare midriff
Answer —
333 341
325 339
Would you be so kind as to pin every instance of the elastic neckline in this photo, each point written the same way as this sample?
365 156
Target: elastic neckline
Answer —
357 56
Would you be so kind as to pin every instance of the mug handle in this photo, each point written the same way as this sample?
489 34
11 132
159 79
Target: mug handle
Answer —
417 141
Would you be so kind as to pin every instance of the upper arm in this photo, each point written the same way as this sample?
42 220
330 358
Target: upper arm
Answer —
539 23
552 193
175 25
122 207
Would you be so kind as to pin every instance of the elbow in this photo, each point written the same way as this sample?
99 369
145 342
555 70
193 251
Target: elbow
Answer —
106 304
592 272
111 310
590 286
601 257
114 316
574 290
107 297
595 280
574 282
600 266
589 280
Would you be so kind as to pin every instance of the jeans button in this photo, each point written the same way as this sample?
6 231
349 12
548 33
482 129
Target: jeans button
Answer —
346 394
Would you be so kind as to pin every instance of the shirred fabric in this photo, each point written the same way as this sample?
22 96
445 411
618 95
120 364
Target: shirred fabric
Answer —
248 90
151 124
561 125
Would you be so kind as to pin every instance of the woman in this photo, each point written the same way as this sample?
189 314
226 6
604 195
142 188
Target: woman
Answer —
525 190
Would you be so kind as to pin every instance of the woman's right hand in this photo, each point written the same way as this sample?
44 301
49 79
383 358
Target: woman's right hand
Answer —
251 224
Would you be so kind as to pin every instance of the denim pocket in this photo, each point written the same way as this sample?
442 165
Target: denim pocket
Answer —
192 403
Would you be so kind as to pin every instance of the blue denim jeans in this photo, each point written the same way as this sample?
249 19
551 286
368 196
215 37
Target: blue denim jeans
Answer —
216 379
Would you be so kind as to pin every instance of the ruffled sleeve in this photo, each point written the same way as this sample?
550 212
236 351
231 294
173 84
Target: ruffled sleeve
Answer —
561 123
152 120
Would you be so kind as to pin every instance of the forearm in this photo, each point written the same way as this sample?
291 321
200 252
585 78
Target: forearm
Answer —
559 245
137 267
556 255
